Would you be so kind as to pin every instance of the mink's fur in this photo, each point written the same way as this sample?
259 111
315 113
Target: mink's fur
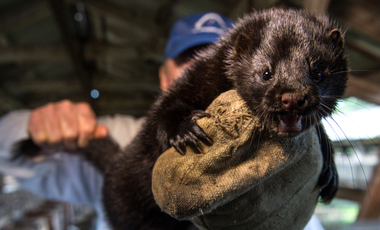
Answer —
284 63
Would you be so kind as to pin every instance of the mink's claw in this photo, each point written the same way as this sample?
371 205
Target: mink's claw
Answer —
190 134
178 145
198 114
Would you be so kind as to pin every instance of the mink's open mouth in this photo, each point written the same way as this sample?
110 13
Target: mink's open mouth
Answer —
290 124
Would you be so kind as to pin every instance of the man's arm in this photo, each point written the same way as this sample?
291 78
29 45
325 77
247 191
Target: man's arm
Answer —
60 176
64 122
13 129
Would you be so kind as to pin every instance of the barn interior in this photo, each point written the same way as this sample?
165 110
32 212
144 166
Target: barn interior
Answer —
107 53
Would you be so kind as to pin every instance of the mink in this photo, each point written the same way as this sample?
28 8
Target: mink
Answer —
290 68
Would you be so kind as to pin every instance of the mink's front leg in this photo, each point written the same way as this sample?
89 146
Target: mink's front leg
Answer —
177 127
189 134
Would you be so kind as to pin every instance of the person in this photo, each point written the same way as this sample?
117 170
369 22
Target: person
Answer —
70 178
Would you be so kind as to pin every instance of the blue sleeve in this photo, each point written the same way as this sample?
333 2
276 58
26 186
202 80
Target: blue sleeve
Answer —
71 180
13 129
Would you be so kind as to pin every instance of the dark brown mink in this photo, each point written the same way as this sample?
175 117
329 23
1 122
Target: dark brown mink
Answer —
290 68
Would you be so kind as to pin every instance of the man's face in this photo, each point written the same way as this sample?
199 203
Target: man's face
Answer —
174 70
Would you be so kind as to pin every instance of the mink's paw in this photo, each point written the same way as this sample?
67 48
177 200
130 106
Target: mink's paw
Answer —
190 134
328 182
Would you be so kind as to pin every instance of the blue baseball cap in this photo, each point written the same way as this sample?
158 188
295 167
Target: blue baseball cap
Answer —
194 30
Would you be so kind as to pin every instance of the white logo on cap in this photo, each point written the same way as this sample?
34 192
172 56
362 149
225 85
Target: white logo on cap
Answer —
200 28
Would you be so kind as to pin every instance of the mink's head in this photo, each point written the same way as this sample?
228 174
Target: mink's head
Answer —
289 66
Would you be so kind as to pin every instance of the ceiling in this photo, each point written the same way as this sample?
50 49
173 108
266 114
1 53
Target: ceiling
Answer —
52 50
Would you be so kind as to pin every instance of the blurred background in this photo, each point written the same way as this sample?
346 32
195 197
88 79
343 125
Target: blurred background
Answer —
107 52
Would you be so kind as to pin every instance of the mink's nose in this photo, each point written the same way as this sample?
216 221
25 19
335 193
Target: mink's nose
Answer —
292 101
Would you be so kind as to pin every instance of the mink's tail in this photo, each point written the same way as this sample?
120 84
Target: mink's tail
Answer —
99 151
25 148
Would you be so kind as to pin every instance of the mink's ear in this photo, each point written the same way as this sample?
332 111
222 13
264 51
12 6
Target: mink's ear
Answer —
337 37
241 44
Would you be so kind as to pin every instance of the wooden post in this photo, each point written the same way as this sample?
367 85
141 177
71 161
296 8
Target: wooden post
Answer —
370 207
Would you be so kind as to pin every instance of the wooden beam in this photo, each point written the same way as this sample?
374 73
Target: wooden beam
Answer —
109 102
33 53
24 14
37 100
113 103
136 112
364 89
43 87
262 4
350 194
345 143
70 85
130 70
355 16
94 51
119 87
245 6
364 48
370 207
316 6
372 5
137 19
8 102
106 52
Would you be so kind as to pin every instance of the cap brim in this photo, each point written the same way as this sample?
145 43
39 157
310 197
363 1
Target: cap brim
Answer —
186 42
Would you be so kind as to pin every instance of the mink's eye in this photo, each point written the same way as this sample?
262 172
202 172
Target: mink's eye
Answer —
316 76
267 75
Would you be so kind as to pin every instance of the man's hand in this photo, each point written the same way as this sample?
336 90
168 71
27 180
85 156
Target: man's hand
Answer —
72 124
